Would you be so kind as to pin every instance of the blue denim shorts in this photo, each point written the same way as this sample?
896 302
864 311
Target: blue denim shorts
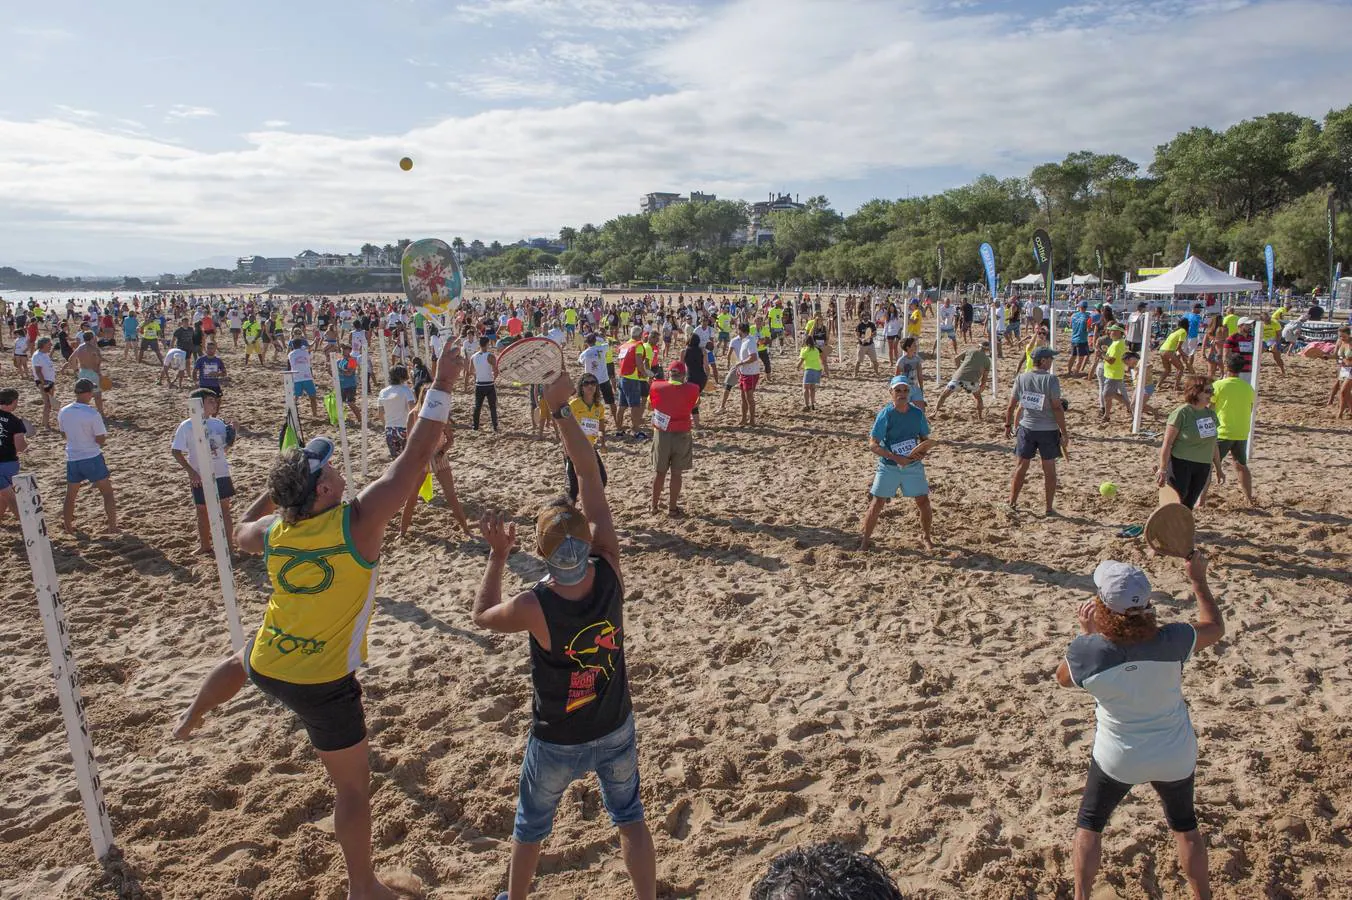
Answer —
631 392
93 469
812 376
548 769
7 472
909 480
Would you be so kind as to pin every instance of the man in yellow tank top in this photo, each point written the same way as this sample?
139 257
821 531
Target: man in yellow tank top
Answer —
321 554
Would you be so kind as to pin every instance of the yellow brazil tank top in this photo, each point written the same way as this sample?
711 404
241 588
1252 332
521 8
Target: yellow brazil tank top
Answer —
323 591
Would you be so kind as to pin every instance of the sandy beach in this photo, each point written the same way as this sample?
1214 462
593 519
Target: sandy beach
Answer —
786 687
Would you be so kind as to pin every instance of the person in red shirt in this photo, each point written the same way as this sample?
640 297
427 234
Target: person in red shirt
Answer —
673 402
514 325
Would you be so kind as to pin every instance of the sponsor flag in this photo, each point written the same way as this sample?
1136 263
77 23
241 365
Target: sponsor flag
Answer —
1270 259
988 261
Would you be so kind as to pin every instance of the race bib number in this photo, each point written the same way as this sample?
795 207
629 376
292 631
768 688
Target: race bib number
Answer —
1206 428
904 448
661 421
1034 402
1245 346
590 427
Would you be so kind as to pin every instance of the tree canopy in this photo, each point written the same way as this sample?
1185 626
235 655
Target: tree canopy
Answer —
1224 193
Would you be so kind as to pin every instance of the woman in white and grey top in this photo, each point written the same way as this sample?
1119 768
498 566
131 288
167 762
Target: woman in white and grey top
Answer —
1134 668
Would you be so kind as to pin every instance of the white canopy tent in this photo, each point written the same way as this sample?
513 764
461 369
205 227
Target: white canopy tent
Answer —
1034 280
1192 276
1077 280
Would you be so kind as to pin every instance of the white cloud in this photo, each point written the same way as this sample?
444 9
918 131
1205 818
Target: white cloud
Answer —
603 15
833 91
181 111
71 112
276 123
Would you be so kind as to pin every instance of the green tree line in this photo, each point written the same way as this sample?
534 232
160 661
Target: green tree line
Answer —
1224 193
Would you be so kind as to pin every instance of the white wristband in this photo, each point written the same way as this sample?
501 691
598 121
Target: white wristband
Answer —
436 405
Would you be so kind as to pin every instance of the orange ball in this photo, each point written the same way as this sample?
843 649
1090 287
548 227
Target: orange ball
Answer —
405 163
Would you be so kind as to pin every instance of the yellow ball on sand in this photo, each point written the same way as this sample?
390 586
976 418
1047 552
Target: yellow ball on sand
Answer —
1108 489
405 163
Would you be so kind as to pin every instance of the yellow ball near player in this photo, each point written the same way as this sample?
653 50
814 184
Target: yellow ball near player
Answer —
1108 489
405 163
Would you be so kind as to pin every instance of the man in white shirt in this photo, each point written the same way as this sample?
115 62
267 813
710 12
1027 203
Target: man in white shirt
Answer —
85 434
298 361
556 334
395 402
948 318
175 366
220 436
44 376
744 366
593 361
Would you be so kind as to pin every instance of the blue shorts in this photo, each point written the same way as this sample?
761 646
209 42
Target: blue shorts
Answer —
1079 348
910 480
570 328
1028 444
812 376
306 386
81 470
225 489
631 392
7 472
549 769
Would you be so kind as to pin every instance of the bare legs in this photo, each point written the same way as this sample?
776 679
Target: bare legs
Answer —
1087 852
636 848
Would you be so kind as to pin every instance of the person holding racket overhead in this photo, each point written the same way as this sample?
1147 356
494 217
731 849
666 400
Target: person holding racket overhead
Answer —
321 554
582 715
1133 666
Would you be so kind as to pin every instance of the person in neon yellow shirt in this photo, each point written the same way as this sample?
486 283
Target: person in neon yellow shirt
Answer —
1231 323
777 323
1114 373
724 320
915 320
570 323
320 553
1170 356
813 366
1272 339
1232 398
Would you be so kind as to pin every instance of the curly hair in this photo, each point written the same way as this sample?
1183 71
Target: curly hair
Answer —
830 871
1193 386
288 482
1125 628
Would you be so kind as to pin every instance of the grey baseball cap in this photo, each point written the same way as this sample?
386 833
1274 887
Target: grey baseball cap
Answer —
1122 587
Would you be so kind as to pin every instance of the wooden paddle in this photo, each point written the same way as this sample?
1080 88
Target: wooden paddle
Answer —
532 360
1171 530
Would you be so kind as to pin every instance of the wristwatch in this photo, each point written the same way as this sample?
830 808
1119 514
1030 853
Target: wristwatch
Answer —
563 412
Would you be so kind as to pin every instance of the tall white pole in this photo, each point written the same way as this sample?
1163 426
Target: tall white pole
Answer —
362 374
1253 380
1142 373
840 334
65 673
206 474
342 433
995 354
384 354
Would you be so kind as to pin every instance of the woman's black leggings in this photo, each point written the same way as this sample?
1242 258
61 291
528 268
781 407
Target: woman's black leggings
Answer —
571 474
1102 795
1189 479
487 392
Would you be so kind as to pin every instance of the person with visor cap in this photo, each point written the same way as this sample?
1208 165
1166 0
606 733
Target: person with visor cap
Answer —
898 438
321 551
581 713
1133 667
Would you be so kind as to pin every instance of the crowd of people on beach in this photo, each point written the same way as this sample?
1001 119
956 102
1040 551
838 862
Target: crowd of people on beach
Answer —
650 372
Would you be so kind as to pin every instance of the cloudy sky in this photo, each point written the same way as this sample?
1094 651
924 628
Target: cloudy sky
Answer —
144 135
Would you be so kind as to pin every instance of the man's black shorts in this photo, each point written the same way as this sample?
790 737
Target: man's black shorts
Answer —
331 712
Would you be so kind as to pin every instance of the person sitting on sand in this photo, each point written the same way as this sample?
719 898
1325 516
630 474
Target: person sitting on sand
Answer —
313 635
828 871
898 439
1134 668
582 715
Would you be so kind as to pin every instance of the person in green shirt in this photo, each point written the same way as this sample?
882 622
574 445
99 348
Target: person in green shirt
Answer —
1272 340
1231 323
1190 444
813 366
1114 373
1232 398
1171 355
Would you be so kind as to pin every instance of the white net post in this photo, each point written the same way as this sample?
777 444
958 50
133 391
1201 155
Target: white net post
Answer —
292 410
1253 380
342 432
384 354
427 342
65 673
1142 374
995 352
220 545
362 392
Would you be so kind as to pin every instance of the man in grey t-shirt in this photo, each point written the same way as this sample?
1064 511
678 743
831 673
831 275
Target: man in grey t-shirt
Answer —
1042 425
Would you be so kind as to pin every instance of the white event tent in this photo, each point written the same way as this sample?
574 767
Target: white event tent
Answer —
1034 280
1192 276
1077 280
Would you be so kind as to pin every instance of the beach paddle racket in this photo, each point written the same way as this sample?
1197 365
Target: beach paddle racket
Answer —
432 277
532 360
1170 530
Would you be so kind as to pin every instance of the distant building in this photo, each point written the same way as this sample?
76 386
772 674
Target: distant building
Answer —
658 200
265 265
545 244
758 230
309 259
552 279
699 197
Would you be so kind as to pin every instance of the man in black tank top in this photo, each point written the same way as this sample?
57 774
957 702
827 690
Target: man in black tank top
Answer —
582 718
